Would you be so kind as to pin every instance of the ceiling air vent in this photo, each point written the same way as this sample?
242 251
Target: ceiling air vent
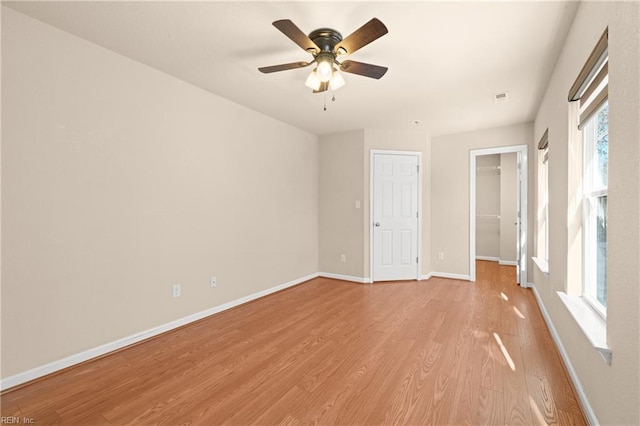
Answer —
500 97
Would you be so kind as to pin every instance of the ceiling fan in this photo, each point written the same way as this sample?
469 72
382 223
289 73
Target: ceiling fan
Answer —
326 45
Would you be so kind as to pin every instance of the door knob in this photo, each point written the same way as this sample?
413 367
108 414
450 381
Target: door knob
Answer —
377 223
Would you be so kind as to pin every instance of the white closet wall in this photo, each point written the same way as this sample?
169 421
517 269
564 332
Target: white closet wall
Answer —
488 207
496 193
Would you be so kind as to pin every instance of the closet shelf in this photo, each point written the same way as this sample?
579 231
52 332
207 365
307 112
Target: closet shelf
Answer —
488 168
487 216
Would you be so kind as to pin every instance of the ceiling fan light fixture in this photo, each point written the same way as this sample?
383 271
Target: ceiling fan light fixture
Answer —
313 82
337 80
324 71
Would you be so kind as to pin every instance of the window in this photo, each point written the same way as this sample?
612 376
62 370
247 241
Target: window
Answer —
586 292
591 89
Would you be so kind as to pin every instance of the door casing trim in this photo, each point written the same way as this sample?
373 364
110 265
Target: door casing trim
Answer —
473 154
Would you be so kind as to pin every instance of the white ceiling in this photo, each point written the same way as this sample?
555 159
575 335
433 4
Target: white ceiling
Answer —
445 59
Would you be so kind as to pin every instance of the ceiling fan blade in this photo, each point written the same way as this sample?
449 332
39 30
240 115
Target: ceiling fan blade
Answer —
364 35
323 87
283 67
290 29
360 68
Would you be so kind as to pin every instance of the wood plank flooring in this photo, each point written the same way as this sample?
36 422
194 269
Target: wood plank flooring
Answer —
331 352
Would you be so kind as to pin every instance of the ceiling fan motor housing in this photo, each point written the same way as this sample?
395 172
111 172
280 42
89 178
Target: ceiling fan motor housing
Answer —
326 39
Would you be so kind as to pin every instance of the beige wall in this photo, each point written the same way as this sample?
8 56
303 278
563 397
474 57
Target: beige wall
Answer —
341 223
119 181
450 191
612 390
508 206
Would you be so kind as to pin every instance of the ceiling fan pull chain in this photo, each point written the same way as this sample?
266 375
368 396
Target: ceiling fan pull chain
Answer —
325 101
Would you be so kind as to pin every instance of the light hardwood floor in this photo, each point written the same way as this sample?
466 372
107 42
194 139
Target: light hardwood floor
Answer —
331 352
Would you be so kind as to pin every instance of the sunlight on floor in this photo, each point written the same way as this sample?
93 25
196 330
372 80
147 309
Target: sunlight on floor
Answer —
536 412
504 296
518 313
505 352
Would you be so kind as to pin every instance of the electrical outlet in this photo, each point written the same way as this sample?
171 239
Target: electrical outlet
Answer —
343 258
357 204
213 282
440 255
176 290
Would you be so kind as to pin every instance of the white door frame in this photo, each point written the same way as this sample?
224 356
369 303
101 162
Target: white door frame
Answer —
418 154
473 154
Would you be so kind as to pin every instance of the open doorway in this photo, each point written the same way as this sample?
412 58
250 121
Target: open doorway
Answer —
498 208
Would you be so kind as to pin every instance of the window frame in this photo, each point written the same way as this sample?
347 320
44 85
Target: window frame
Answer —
591 193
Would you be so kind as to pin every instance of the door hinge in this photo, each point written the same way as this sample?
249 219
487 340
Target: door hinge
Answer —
418 168
416 215
416 259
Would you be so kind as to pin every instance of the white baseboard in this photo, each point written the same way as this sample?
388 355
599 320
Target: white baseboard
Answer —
453 276
360 280
489 258
365 280
497 259
588 410
69 361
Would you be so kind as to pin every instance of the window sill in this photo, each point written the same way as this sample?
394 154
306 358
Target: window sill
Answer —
591 324
543 265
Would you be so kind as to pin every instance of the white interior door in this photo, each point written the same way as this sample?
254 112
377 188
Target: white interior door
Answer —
395 217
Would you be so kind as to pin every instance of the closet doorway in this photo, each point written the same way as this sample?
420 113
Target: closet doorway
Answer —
498 208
